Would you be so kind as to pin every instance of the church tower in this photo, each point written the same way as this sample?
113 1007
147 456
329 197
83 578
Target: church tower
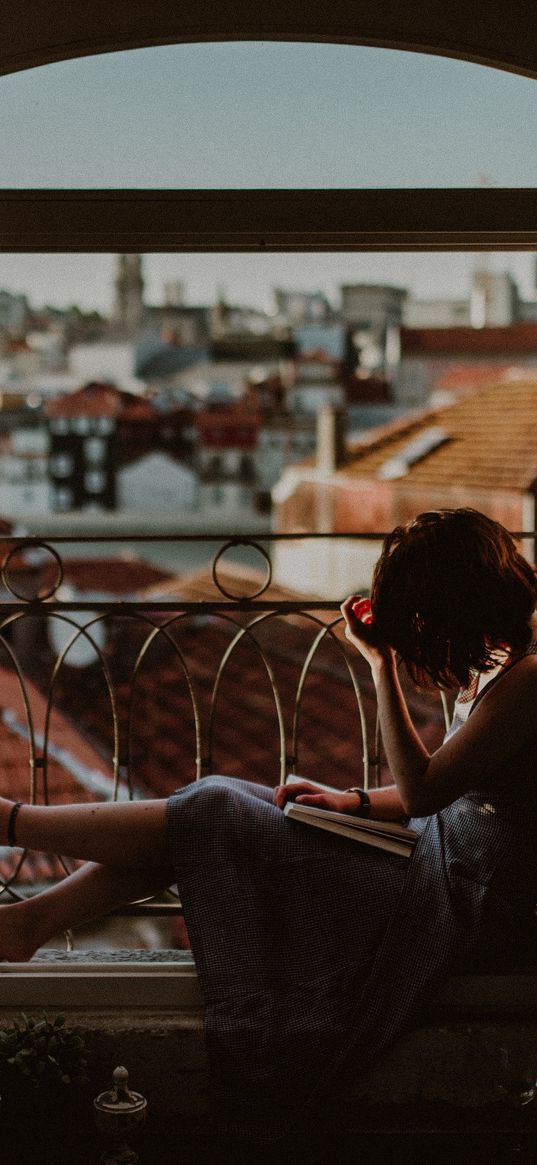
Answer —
129 293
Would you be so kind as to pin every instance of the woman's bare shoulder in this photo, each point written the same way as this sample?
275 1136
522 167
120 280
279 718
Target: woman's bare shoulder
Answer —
517 681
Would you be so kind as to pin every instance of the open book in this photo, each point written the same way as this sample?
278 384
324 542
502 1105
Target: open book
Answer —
388 835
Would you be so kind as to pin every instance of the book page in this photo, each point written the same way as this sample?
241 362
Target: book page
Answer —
384 835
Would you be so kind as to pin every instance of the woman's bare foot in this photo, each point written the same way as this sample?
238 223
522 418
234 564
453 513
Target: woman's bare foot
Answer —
19 939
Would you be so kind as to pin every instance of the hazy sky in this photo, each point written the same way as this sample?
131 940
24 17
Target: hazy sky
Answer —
262 115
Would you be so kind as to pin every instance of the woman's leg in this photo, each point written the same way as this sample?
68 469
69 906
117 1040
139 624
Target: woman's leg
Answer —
132 833
91 892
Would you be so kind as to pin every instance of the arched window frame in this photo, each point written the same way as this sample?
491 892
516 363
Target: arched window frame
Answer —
234 220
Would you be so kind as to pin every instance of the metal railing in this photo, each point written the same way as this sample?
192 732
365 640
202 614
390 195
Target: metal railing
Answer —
83 677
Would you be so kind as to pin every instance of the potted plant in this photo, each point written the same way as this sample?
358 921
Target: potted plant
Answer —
39 1060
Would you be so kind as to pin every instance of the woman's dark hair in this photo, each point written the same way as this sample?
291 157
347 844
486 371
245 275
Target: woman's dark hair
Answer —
451 589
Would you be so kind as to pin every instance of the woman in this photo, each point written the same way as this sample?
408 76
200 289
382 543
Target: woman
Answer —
310 947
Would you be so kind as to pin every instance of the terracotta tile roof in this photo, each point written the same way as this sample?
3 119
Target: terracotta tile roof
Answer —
239 581
518 337
61 732
491 443
478 374
124 575
100 399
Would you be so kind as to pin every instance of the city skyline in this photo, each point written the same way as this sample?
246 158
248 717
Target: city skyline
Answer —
88 280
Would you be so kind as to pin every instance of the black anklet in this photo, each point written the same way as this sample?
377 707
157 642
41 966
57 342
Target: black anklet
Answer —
11 823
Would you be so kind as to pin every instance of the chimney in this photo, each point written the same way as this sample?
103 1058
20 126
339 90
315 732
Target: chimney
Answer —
331 425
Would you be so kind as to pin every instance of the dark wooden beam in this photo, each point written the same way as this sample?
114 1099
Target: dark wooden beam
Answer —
34 33
272 220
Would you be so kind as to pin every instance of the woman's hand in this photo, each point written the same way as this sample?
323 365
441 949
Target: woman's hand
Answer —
361 632
305 793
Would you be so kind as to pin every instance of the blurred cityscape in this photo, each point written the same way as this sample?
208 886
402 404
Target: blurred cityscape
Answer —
315 417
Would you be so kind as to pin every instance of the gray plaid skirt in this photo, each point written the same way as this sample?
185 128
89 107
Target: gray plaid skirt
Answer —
312 948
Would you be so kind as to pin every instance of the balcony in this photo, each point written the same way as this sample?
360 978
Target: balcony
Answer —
498 1007
123 680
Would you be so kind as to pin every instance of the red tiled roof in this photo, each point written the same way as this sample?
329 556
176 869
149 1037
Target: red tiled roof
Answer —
100 400
197 586
123 575
478 375
491 444
518 337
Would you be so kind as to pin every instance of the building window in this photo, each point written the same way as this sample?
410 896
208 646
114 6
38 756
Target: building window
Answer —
95 481
62 464
95 450
81 425
59 426
63 498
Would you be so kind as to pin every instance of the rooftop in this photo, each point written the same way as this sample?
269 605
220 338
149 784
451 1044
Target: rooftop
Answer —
517 337
491 442
470 375
123 575
99 400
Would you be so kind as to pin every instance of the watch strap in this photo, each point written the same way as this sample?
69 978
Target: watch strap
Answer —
364 808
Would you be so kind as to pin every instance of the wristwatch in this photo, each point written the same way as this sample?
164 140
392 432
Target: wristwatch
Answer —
364 808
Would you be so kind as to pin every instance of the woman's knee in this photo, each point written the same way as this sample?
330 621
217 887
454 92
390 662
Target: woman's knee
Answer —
207 795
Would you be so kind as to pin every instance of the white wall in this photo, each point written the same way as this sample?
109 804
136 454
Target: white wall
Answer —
332 570
105 361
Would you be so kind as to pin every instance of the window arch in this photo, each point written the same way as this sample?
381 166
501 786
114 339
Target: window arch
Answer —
142 220
465 28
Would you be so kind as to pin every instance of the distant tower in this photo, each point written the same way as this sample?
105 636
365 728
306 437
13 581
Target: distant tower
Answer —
129 292
494 300
219 314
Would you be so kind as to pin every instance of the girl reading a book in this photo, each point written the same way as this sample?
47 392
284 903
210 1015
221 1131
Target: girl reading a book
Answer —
311 948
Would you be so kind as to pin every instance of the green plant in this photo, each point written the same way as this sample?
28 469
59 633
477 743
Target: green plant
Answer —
44 1052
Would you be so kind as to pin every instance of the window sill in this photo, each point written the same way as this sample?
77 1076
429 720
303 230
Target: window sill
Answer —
162 980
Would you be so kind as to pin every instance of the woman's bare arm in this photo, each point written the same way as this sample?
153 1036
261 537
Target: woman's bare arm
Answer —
501 723
386 804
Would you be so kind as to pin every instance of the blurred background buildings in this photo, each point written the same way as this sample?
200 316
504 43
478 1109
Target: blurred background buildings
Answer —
186 415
